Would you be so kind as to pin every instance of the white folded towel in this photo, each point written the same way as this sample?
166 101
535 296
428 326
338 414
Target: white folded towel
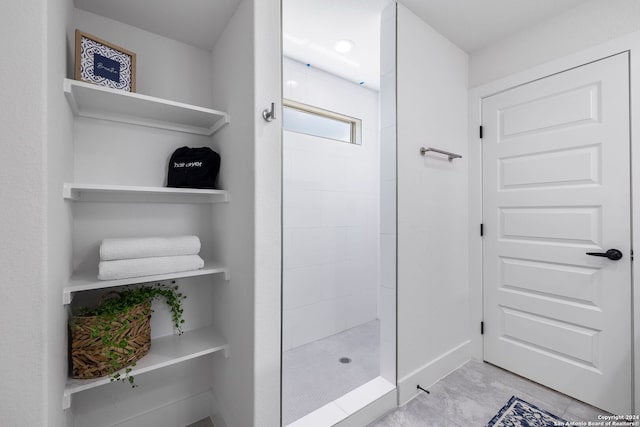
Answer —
129 248
125 268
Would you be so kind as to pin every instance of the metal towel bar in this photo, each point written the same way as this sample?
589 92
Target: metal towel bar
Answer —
451 156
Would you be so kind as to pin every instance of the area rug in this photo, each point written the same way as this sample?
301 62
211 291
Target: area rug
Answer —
519 413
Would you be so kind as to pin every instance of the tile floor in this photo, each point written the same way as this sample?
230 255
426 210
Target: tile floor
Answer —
312 376
473 394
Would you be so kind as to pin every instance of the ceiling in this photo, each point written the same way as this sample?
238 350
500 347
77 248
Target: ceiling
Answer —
475 24
312 27
194 22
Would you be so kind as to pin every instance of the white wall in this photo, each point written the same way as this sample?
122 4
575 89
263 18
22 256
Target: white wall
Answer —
233 304
268 216
330 219
433 290
23 213
588 24
59 169
388 128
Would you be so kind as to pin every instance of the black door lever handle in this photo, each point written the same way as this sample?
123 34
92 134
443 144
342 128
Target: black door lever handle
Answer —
612 254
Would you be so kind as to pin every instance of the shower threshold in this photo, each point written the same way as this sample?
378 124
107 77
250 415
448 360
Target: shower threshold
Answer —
378 390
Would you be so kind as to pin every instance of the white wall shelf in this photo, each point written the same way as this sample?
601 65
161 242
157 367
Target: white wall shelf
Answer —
127 193
165 351
87 281
98 102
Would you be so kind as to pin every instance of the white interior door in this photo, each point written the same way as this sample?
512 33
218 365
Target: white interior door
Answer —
556 185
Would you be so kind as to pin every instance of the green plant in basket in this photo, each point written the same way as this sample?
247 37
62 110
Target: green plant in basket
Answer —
117 333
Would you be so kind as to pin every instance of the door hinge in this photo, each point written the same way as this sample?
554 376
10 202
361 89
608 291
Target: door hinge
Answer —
481 229
481 328
481 132
631 253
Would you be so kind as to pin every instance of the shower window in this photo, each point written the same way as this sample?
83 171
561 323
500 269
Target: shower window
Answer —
315 121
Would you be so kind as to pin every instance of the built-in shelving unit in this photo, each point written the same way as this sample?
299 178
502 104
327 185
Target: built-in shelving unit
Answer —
125 193
87 281
165 351
98 102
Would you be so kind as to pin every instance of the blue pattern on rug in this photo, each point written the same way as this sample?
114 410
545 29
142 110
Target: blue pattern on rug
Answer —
519 413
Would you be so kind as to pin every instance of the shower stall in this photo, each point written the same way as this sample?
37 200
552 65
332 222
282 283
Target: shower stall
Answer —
339 207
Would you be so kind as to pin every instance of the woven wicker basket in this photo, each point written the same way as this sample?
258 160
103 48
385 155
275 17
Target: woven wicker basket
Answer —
90 358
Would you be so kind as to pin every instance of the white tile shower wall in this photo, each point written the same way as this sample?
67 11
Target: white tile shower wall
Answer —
331 219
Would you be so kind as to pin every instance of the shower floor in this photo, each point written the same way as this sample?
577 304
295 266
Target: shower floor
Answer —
313 376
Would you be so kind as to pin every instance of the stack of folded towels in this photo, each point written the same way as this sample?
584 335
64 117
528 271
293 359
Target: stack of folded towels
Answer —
137 257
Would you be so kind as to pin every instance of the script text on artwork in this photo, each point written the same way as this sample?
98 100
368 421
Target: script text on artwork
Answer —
105 67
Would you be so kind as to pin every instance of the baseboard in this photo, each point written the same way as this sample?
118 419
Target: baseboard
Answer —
179 413
433 371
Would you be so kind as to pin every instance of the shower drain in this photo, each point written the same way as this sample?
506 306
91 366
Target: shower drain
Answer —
344 360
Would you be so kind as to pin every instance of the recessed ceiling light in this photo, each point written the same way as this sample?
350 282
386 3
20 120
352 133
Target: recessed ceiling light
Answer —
344 46
292 83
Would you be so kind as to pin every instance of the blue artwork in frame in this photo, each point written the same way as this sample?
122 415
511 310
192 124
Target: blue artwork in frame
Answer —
104 64
105 67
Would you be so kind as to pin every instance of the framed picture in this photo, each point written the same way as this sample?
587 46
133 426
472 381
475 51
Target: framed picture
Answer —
104 64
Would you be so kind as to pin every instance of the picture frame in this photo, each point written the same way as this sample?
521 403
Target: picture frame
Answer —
103 63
